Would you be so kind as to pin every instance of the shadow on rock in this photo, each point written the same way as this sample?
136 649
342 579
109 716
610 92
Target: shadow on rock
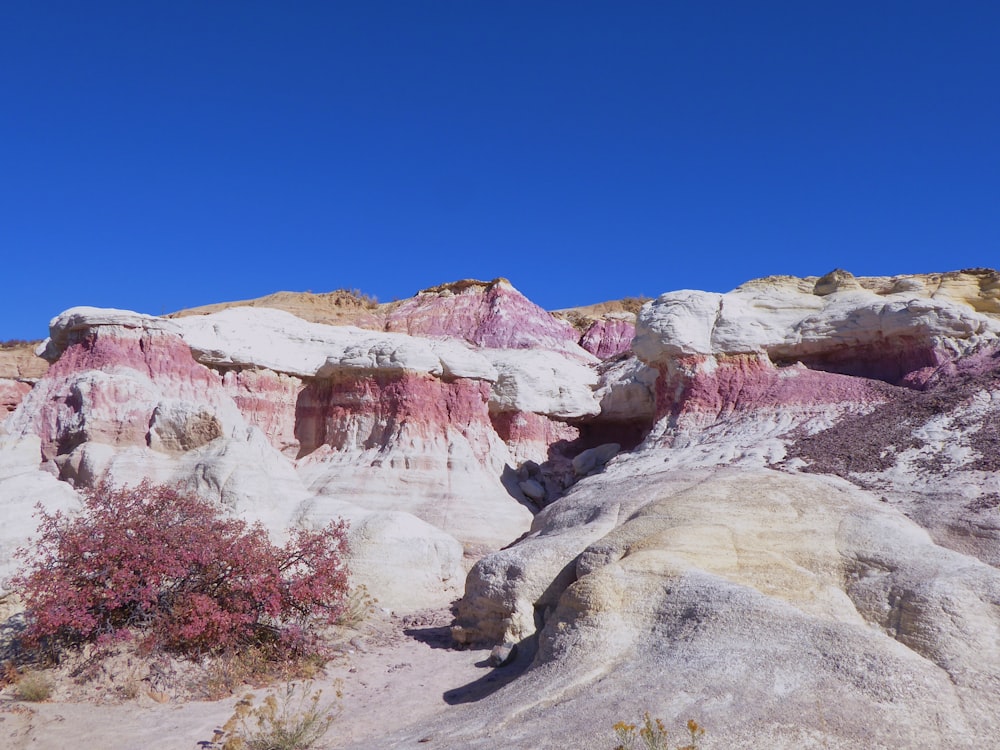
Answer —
10 633
509 663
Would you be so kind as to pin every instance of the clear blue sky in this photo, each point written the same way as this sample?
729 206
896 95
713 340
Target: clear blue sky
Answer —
161 154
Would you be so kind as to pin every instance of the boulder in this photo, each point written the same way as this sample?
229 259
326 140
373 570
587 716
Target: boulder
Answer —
594 459
533 490
610 336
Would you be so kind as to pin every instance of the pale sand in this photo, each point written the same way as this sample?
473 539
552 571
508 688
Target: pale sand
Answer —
396 675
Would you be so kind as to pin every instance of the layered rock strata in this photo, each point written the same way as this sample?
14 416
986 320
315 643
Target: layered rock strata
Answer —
776 511
668 563
292 422
20 369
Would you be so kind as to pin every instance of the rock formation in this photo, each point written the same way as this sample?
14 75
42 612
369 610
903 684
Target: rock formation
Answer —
20 368
776 510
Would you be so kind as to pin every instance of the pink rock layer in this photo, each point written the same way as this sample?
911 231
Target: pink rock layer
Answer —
608 338
12 392
493 315
157 355
374 409
691 388
71 405
981 366
530 436
902 360
267 400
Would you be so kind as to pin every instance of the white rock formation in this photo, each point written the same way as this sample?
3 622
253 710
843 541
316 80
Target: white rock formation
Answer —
802 552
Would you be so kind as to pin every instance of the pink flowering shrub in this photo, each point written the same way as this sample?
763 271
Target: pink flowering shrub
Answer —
162 562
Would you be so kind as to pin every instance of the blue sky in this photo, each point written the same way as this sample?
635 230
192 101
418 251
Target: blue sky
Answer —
160 155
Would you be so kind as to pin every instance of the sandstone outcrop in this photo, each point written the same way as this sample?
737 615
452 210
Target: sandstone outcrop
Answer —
775 510
667 564
610 336
342 307
414 438
483 314
20 369
12 392
19 362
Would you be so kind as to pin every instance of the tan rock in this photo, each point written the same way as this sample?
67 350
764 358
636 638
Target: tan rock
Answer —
21 363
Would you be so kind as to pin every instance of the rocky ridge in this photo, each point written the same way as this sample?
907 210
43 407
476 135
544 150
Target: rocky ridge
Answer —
774 509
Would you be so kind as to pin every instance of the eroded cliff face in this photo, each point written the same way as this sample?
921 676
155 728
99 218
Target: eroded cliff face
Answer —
819 491
416 437
785 497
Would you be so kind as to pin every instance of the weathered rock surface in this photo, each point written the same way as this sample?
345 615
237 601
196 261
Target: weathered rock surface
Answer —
22 487
20 368
489 314
12 392
19 362
281 419
609 336
785 607
778 608
777 512
607 328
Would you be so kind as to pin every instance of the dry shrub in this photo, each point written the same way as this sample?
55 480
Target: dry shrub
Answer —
224 674
358 607
634 304
33 687
295 719
227 673
652 735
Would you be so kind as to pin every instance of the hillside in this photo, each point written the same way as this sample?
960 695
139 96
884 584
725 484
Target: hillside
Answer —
776 510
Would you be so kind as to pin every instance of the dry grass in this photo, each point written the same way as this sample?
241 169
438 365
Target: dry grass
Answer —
33 687
19 344
358 607
293 719
652 735
226 674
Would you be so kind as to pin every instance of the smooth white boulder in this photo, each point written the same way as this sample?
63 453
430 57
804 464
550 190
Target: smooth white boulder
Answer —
543 382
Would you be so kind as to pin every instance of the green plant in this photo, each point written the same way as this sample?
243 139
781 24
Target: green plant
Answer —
653 735
295 721
34 687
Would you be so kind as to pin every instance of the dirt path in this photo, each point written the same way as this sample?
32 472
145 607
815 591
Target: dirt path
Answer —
396 673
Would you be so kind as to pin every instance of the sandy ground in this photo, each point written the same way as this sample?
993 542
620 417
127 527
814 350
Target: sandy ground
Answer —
397 672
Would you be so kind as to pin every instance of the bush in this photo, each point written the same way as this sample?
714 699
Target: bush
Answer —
295 722
165 563
33 687
653 735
